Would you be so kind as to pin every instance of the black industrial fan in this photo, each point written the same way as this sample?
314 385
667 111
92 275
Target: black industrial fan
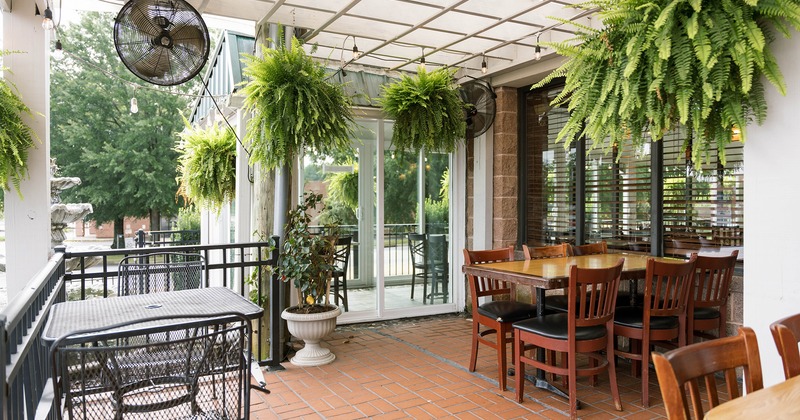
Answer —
164 42
480 99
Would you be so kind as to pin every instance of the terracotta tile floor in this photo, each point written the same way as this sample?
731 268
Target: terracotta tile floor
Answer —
418 369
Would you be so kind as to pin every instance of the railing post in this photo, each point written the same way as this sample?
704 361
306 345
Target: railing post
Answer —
140 238
276 304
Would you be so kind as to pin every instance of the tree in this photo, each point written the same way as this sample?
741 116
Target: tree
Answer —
127 162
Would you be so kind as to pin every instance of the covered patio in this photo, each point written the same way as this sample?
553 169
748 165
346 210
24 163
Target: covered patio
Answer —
388 366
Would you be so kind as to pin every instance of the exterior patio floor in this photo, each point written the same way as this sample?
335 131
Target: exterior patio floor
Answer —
417 368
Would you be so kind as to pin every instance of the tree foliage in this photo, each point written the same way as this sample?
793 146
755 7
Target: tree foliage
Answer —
427 110
294 107
659 64
127 162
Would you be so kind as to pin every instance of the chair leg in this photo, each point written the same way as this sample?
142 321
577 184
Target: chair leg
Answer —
473 358
519 367
573 383
645 352
612 371
413 280
593 378
501 357
344 294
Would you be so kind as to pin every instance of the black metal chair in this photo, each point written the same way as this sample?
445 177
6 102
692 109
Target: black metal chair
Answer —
438 267
176 367
418 246
160 272
341 259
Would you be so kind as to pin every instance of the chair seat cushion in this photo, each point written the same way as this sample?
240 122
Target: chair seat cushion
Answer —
631 316
706 313
507 311
555 326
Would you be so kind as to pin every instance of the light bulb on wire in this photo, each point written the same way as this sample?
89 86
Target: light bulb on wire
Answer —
356 52
422 60
47 22
537 53
134 105
58 52
484 66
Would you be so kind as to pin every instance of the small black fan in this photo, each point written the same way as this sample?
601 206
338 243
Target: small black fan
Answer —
164 42
480 99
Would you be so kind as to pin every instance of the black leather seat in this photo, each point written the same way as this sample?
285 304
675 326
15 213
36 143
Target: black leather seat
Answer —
555 326
633 316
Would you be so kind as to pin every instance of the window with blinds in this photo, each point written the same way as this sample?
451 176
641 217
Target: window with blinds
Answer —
618 197
549 173
703 207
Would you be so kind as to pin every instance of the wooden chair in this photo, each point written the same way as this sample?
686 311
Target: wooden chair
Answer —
661 318
552 251
341 259
589 249
685 367
709 306
785 332
496 316
592 293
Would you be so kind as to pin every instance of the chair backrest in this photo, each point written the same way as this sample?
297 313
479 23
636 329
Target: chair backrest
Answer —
341 257
152 366
437 251
668 287
593 294
552 251
418 245
482 286
714 276
160 272
699 362
590 249
785 332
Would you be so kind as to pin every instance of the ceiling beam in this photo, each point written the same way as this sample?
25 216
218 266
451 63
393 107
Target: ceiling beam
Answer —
333 18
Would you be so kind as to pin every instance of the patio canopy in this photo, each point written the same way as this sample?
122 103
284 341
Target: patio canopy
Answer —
396 34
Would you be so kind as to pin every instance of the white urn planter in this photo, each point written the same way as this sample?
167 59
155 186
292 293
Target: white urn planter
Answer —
311 328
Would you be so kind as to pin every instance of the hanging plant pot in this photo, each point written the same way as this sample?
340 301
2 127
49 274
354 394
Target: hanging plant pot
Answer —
658 66
427 110
294 107
207 165
16 138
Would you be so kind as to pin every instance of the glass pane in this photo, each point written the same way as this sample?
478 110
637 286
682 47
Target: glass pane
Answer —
618 198
703 207
550 173
416 245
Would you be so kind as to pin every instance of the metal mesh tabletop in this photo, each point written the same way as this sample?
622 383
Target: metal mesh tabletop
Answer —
70 317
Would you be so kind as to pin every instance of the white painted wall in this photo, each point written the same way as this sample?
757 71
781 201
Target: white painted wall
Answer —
27 219
772 202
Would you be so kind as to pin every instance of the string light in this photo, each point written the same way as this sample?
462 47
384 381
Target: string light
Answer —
422 60
356 52
47 22
134 103
537 53
58 52
484 66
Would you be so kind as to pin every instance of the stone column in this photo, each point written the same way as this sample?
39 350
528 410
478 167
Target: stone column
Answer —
28 218
505 185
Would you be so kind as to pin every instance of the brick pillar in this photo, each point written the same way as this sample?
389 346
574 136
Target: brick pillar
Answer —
505 217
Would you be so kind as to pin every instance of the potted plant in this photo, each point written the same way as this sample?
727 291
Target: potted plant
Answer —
294 107
307 261
427 110
16 138
658 66
207 165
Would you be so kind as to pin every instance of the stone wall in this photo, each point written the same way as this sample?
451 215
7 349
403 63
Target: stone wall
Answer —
505 180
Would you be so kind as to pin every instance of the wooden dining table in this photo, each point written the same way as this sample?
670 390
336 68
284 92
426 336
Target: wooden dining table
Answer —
553 273
776 402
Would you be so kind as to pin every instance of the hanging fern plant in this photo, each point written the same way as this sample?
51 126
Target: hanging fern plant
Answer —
659 65
294 107
207 165
16 138
427 110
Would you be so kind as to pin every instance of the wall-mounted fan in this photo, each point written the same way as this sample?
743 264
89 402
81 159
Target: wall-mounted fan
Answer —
164 42
480 97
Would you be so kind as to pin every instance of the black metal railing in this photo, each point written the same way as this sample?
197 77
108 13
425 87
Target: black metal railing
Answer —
25 373
167 238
